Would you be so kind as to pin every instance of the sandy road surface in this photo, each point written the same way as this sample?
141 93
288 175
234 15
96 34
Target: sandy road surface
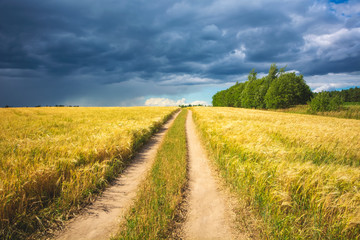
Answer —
209 214
101 219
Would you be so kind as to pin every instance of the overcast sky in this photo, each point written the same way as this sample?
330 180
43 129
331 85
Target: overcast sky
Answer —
137 52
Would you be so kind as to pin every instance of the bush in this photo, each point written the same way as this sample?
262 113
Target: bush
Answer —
323 102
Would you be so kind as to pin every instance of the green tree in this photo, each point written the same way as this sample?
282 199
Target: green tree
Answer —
237 89
252 75
287 90
273 72
324 102
276 90
249 93
219 99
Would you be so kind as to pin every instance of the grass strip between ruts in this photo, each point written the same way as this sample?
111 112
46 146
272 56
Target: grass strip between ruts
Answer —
153 213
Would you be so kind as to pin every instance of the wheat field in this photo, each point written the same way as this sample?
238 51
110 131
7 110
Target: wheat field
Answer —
300 172
52 160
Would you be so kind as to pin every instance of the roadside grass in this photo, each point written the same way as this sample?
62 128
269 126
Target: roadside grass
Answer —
54 160
154 211
300 172
349 110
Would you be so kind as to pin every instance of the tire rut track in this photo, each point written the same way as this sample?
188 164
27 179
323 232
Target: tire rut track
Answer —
209 214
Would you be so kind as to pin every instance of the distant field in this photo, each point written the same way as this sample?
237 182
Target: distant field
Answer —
54 159
300 172
349 110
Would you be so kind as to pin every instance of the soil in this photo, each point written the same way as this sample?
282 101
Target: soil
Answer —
210 213
102 219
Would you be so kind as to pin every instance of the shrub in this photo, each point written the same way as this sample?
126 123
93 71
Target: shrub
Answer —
323 102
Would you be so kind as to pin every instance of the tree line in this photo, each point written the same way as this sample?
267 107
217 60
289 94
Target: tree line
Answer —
276 90
347 95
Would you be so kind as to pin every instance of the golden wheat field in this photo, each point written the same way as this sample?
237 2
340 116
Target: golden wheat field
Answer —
300 172
54 159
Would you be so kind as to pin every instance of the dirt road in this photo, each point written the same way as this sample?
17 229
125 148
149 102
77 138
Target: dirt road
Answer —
101 219
209 215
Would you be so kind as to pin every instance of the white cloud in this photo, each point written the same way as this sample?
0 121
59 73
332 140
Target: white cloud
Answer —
239 53
162 102
334 46
326 87
199 103
332 81
291 71
326 40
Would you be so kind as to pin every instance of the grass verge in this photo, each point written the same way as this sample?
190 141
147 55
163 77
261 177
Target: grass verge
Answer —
154 211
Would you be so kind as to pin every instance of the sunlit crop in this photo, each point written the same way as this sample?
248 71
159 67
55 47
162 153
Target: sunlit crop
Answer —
301 172
54 159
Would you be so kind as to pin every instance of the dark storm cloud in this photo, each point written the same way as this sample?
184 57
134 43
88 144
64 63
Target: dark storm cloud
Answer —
54 51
